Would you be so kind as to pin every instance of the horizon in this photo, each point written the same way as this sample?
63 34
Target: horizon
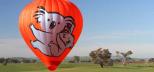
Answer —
117 25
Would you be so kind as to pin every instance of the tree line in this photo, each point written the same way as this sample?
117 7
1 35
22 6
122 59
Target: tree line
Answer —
15 60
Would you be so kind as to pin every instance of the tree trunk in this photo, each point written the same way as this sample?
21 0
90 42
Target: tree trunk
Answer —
101 64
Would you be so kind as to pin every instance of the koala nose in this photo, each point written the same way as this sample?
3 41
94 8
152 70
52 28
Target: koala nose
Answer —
52 25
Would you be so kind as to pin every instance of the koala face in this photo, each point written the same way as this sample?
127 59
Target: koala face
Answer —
54 23
51 22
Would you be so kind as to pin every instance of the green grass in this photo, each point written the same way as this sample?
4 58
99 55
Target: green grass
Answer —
78 68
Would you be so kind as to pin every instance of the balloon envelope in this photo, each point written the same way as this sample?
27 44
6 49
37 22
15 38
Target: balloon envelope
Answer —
50 28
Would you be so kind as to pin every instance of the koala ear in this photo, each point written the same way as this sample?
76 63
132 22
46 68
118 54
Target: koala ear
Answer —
69 21
41 11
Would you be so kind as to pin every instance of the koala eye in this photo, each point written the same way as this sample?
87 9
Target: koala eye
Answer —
52 25
48 19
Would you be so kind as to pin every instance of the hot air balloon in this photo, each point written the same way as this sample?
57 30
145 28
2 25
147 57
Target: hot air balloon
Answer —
50 28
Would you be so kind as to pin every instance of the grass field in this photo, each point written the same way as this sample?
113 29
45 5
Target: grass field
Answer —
78 68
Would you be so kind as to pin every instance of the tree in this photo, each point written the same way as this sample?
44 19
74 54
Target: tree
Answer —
75 59
118 53
151 60
2 60
26 60
102 57
125 56
94 55
33 61
6 61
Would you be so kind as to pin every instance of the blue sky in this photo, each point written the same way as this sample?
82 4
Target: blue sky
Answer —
115 24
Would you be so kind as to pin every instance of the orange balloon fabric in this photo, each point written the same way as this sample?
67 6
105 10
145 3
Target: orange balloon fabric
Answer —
50 28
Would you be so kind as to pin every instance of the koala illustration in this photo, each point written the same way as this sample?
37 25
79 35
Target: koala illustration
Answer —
55 34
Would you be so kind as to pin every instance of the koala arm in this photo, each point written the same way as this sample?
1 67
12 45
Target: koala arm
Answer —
67 39
43 48
69 43
40 35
